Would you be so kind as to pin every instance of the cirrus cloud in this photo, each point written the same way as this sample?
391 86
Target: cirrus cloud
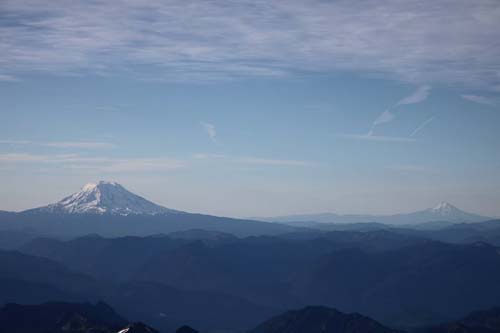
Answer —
478 99
62 144
93 164
190 40
210 130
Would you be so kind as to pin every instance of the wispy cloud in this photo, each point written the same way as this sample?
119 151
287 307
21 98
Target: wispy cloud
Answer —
95 164
422 126
411 168
104 108
173 40
8 78
478 99
123 165
254 160
203 156
389 115
210 130
417 96
277 162
385 117
376 138
134 165
83 145
21 157
63 144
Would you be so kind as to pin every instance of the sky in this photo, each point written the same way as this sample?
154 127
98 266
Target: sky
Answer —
253 108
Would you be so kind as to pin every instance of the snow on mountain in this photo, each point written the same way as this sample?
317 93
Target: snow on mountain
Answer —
445 209
104 198
443 212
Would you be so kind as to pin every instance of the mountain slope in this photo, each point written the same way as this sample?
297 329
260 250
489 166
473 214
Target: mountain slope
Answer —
485 321
443 212
166 308
24 273
318 319
104 198
109 225
58 317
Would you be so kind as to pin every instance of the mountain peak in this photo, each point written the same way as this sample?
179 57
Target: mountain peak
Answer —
91 186
444 208
105 197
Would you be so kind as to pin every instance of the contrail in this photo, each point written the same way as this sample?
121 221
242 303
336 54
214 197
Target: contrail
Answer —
419 128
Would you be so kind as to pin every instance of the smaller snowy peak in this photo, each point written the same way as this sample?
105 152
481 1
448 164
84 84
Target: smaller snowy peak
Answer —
450 213
105 197
445 208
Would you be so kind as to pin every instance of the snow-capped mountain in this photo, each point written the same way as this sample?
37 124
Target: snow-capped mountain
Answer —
446 209
104 198
443 212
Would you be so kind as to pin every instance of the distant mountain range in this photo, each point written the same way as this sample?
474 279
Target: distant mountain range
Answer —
443 212
64 317
59 317
483 321
320 319
235 283
216 282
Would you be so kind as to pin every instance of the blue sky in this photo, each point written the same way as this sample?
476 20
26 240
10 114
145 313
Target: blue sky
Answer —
253 108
